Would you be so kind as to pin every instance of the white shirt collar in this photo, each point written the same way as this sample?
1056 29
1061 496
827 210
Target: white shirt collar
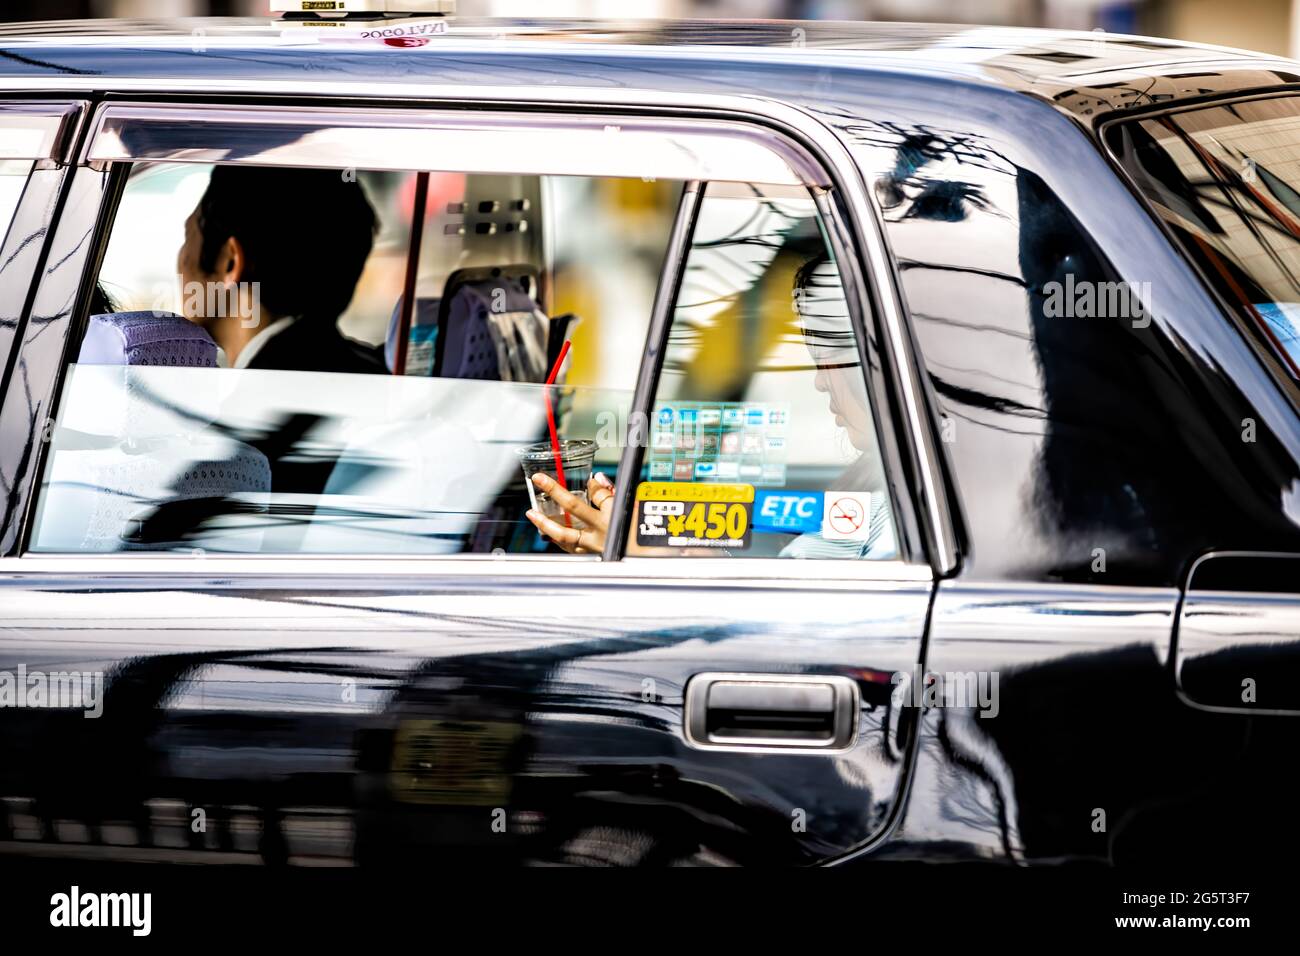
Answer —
255 344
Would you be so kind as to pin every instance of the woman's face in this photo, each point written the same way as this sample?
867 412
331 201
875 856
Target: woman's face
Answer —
848 403
823 317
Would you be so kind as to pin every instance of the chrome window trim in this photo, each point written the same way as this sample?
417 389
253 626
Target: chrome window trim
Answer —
55 122
576 569
826 147
485 141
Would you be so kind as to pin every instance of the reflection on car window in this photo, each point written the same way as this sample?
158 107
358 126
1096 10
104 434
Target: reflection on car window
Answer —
13 177
1227 180
256 460
763 440
243 396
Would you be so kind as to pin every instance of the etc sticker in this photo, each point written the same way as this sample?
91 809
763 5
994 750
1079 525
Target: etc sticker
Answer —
789 512
847 516
680 515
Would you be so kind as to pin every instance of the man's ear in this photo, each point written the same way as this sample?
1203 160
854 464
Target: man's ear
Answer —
231 262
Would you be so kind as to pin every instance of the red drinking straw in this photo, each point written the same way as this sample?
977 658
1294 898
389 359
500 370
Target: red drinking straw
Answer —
550 423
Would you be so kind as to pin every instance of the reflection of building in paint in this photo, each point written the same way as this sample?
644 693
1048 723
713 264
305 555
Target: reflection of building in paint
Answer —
1271 26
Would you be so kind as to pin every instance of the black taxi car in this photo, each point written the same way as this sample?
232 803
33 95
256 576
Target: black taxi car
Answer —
928 398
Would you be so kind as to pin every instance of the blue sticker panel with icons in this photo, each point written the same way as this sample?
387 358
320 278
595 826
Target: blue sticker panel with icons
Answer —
789 512
719 441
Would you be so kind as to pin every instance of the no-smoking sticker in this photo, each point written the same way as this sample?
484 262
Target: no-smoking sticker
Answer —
847 516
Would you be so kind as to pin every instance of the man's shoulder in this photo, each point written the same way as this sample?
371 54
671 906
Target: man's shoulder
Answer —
307 346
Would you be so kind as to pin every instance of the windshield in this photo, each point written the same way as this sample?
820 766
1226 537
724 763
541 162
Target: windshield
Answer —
1227 180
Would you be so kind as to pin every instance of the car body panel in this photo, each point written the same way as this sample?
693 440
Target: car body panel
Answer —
299 698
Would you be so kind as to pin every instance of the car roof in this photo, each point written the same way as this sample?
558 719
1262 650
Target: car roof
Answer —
1087 74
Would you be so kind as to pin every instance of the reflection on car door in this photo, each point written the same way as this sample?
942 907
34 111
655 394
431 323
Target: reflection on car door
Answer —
386 711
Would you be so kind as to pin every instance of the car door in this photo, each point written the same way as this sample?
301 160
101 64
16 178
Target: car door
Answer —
717 685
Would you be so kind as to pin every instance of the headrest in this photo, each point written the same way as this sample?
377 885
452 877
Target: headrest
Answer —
493 328
146 338
116 498
420 343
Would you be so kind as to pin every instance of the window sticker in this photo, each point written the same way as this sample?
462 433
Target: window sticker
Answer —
697 515
720 441
847 516
420 348
789 512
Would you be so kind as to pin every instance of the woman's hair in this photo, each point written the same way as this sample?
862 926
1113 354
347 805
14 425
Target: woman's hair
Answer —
823 312
806 276
827 330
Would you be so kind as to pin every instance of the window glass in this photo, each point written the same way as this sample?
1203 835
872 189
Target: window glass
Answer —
234 389
762 439
13 178
1227 180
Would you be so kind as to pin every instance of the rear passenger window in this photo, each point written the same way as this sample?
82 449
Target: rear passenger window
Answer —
251 380
762 440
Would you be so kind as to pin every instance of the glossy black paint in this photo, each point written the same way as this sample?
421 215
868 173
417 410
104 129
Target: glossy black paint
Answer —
1091 463
1085 449
383 718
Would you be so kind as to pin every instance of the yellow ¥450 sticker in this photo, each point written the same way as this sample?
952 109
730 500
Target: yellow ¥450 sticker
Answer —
685 515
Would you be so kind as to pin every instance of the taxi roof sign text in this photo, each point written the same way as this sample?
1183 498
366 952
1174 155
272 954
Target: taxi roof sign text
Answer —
343 8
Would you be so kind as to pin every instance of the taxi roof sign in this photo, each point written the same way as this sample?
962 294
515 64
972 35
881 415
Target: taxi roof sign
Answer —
344 8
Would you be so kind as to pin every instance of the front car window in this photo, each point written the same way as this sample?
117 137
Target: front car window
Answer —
1227 181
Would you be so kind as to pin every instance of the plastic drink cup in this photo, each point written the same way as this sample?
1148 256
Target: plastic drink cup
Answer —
576 456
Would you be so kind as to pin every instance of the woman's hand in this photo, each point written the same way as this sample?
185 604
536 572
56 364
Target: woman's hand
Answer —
594 515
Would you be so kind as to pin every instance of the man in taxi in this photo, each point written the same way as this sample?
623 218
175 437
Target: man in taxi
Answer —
270 260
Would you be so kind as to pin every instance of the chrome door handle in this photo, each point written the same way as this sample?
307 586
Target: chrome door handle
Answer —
771 711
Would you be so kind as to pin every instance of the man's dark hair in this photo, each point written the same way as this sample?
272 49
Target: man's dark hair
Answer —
306 234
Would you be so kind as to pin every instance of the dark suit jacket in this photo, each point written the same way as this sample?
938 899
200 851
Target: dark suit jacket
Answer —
308 346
